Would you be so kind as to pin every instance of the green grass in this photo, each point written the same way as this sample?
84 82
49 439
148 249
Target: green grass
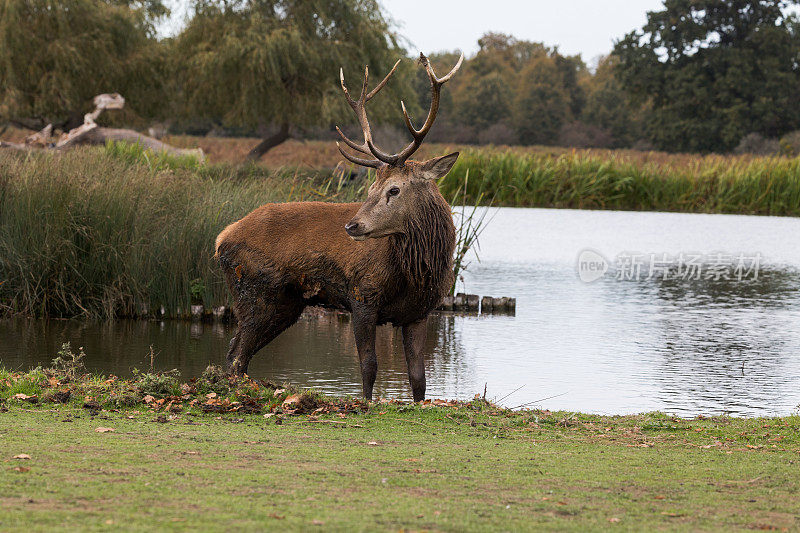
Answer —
218 453
135 153
710 184
395 468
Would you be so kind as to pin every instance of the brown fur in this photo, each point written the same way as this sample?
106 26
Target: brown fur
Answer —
282 257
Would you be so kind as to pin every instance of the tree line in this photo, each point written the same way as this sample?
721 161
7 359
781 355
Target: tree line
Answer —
699 76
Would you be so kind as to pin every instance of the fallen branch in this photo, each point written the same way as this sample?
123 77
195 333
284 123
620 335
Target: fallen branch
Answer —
89 133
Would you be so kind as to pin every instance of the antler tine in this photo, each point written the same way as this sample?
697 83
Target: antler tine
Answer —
352 144
359 107
378 87
436 85
374 163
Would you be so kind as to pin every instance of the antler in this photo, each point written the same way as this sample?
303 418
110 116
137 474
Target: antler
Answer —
436 86
359 106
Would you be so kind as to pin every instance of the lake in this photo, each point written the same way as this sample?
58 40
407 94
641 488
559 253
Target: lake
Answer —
695 314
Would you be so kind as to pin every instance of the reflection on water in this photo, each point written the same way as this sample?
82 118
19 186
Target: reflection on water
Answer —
685 347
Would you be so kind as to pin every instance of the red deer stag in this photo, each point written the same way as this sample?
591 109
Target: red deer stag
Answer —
388 260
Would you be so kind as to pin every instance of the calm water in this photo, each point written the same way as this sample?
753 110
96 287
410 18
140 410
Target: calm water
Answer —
685 346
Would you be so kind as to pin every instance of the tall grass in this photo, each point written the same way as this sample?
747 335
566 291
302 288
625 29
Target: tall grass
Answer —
89 233
712 184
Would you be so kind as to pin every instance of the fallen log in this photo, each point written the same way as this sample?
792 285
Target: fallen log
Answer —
89 133
99 135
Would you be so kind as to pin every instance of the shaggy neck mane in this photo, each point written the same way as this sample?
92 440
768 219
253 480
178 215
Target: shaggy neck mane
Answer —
424 251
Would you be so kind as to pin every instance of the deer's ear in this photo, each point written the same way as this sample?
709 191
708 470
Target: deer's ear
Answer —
438 167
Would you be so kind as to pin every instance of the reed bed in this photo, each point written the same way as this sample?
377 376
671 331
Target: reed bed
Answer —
92 233
580 180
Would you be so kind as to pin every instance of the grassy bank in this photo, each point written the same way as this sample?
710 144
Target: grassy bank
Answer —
87 464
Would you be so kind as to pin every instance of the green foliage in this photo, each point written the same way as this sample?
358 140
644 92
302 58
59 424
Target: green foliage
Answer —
714 71
608 106
157 383
543 102
511 83
69 364
487 101
135 154
197 289
55 56
259 62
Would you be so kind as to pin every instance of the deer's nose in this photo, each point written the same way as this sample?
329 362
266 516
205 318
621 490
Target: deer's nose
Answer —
352 228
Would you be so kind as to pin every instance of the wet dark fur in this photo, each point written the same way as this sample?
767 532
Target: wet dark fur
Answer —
283 257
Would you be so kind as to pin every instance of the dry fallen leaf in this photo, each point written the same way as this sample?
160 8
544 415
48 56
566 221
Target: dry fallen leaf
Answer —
278 392
372 443
317 522
22 469
22 456
293 399
211 395
613 519
148 399
25 398
104 430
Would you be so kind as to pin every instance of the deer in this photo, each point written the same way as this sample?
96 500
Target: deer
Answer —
386 260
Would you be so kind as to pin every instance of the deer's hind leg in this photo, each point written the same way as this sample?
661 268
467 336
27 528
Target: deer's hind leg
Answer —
260 320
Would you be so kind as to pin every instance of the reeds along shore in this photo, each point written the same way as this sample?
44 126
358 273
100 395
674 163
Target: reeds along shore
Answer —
709 184
119 232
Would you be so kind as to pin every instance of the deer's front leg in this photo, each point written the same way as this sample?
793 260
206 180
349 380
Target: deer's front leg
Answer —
413 342
364 331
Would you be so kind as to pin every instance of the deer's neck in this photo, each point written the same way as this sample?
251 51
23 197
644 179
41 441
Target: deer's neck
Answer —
424 252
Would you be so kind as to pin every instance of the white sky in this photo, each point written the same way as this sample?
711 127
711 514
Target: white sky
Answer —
586 27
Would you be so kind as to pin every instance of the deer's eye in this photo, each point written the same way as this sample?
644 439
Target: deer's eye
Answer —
394 191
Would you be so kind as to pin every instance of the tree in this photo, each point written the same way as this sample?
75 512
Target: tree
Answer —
608 105
714 71
487 101
55 56
256 63
542 103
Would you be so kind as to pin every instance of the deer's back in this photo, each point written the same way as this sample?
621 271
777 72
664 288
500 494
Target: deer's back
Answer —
302 244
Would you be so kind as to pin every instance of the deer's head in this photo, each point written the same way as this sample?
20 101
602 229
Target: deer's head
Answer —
402 187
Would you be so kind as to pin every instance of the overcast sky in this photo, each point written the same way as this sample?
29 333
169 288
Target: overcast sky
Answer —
586 27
